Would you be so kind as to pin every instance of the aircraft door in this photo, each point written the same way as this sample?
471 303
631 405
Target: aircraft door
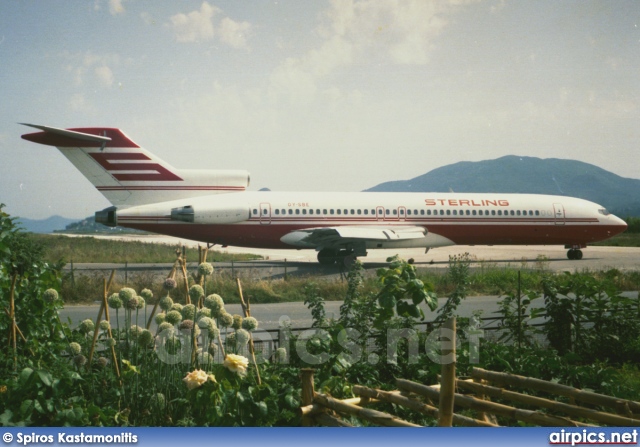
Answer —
558 212
379 212
402 213
265 213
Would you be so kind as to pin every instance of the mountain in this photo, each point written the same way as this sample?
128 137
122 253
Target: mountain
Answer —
514 174
48 225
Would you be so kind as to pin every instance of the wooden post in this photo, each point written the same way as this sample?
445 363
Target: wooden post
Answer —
308 392
448 380
247 313
12 312
105 293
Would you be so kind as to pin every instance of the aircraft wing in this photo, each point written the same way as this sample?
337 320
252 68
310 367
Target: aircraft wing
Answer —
338 236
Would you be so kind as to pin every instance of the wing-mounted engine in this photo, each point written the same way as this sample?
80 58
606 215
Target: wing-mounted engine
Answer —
200 211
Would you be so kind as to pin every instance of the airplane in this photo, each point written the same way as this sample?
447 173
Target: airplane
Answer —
214 207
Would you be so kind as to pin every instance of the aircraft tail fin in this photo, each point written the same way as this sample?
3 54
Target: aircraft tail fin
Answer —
128 175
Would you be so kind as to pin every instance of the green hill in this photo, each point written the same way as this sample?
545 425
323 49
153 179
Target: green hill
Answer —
514 174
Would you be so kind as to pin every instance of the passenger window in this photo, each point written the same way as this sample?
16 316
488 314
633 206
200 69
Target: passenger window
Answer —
366 212
255 212
311 211
517 212
422 212
346 211
353 212
395 212
448 212
332 212
537 212
339 211
493 212
409 212
387 212
277 212
297 211
304 211
474 212
512 213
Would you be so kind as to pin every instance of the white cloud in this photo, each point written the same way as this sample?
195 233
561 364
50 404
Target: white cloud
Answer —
399 32
195 26
202 25
82 65
115 7
105 75
234 33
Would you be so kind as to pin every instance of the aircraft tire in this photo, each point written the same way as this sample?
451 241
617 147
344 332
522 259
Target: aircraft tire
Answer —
571 254
577 255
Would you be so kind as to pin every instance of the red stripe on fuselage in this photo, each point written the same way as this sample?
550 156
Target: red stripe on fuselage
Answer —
161 175
255 235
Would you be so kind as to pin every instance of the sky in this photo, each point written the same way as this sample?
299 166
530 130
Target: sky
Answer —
315 95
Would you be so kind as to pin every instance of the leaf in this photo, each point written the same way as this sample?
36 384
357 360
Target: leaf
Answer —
291 401
262 407
45 377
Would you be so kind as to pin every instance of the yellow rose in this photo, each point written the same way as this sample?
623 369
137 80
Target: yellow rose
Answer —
195 378
236 363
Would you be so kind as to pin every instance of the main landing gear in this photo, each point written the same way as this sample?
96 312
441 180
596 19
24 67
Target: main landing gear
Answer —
575 254
330 256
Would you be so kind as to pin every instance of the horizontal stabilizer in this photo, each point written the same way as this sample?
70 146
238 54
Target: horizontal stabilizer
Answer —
85 137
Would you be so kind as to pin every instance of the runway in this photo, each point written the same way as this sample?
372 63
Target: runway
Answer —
553 258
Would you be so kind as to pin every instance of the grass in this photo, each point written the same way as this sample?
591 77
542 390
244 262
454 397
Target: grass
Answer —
94 250
622 240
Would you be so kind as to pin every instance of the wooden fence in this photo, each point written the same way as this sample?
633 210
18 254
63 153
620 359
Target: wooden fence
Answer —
476 396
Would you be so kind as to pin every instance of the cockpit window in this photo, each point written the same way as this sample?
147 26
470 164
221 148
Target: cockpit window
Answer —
604 211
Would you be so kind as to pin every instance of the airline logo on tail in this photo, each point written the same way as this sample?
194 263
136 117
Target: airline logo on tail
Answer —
131 172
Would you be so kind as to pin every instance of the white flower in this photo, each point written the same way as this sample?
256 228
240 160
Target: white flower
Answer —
236 363
195 378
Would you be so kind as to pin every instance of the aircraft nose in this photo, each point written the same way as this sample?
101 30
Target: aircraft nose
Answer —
619 224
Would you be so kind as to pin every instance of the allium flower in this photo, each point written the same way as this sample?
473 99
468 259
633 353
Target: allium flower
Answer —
230 340
195 378
188 312
196 292
215 303
226 320
146 294
159 319
141 303
132 303
236 363
102 362
105 325
174 317
75 348
126 294
145 338
135 330
207 323
169 284
204 358
176 306
114 301
205 269
250 324
50 295
237 322
213 349
109 342
80 360
186 325
166 303
281 355
158 401
242 337
204 312
86 326
165 326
